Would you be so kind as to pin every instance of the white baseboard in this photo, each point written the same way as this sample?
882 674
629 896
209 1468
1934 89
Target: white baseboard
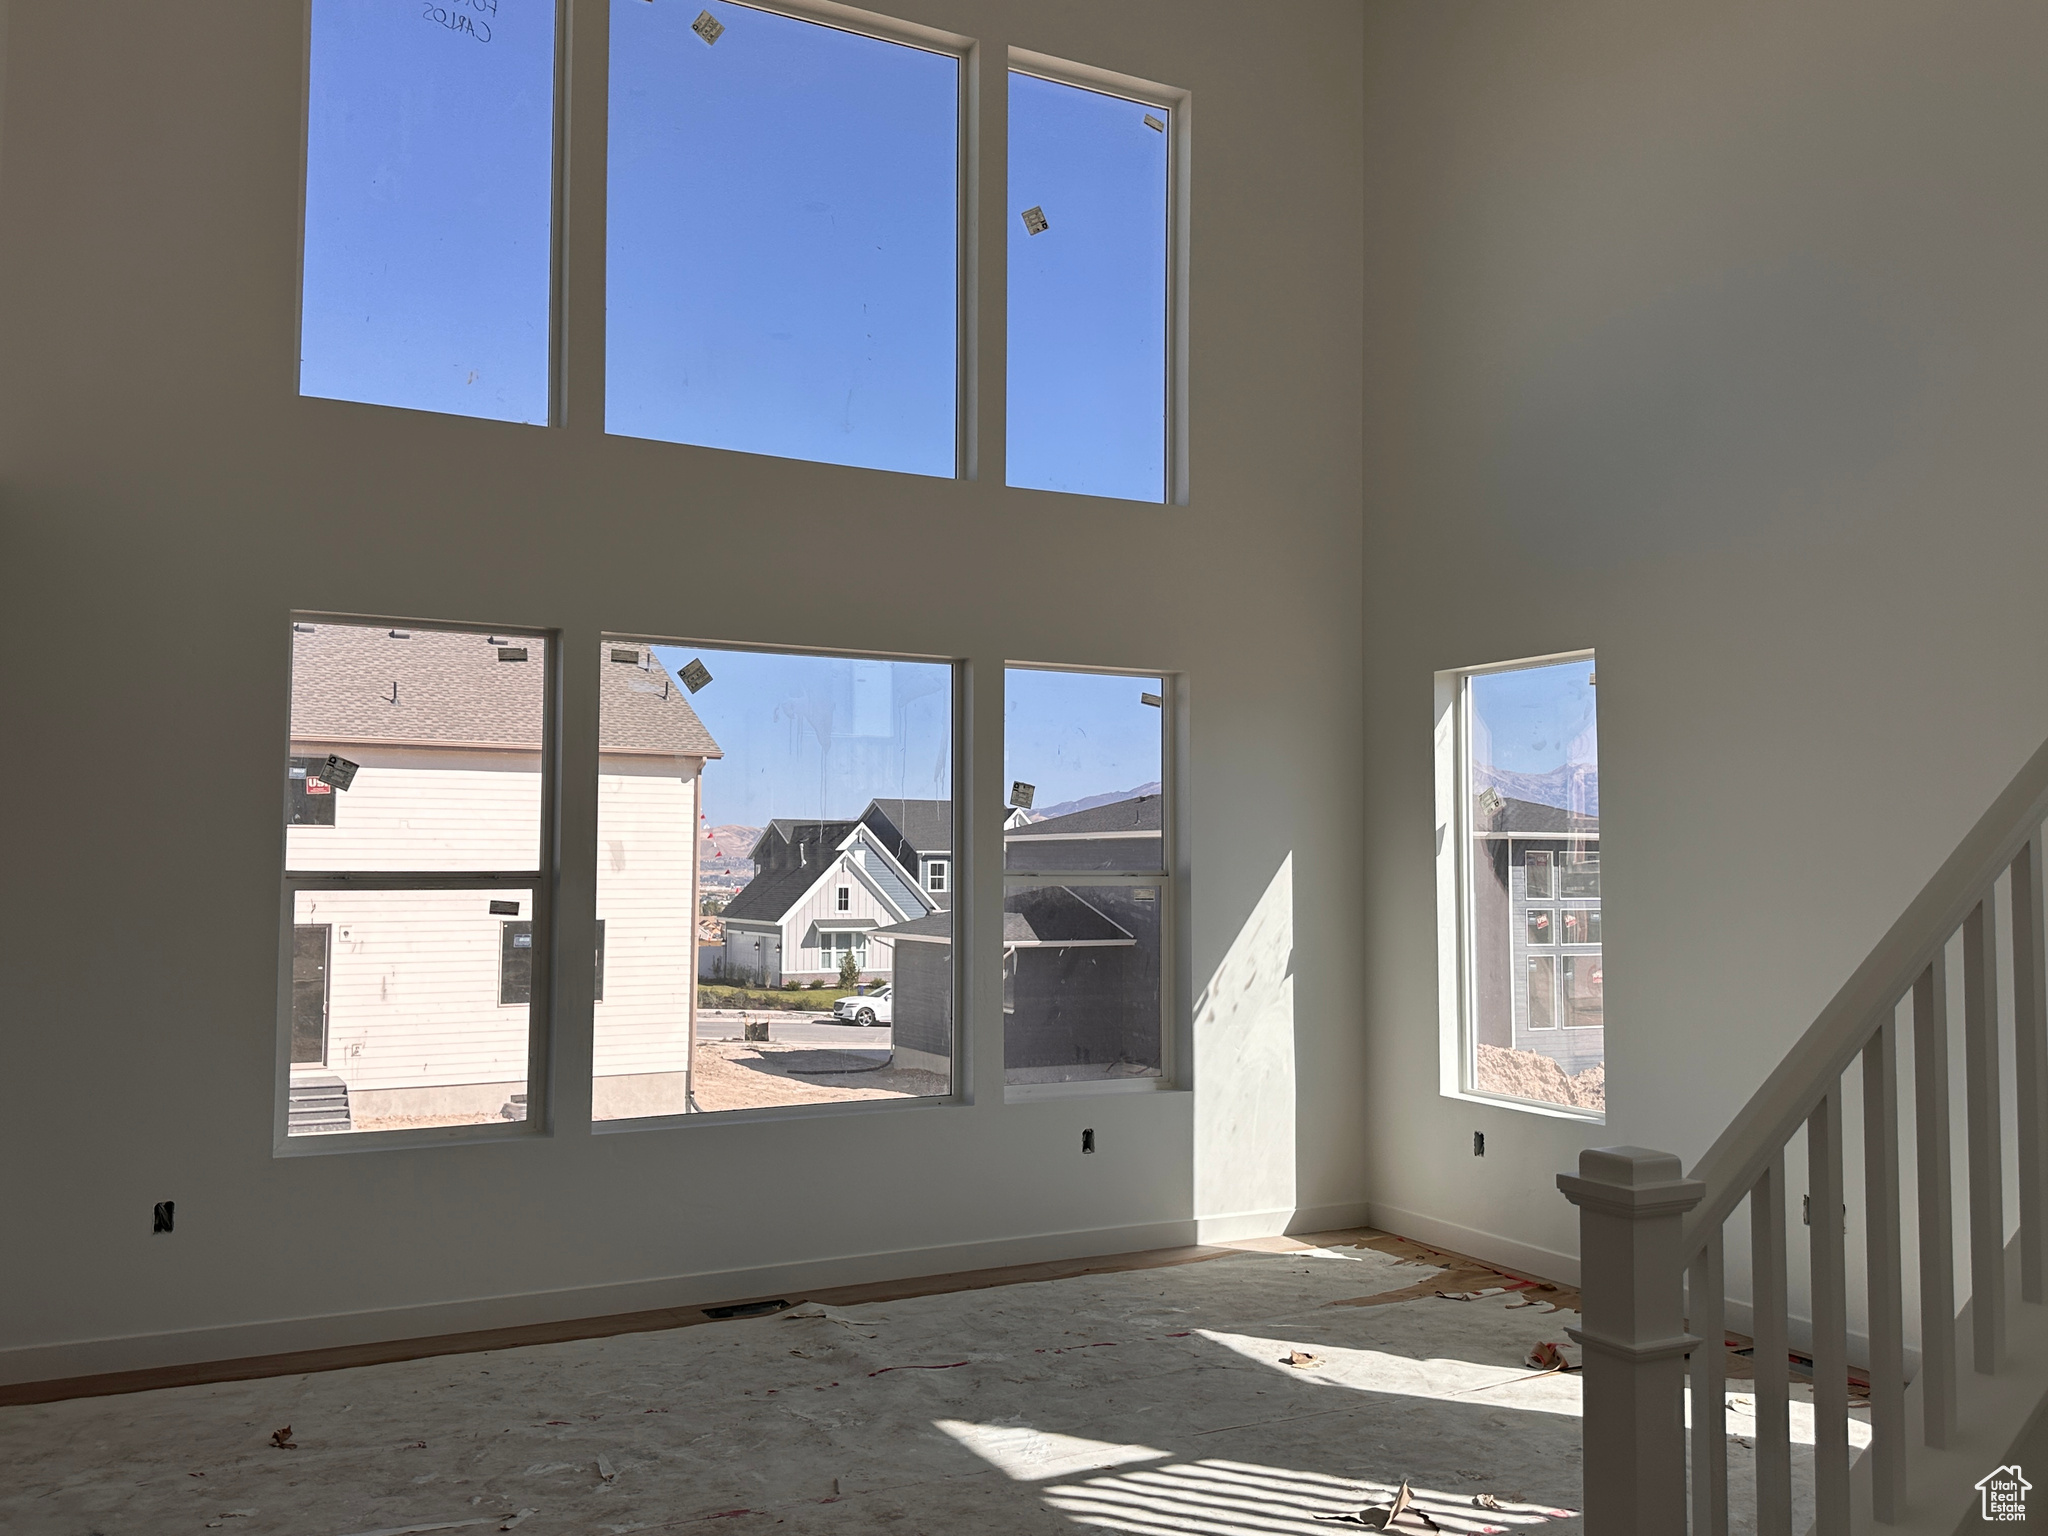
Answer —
1542 1263
237 1341
1330 1218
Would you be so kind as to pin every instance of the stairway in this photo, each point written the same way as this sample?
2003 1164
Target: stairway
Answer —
1958 1371
318 1103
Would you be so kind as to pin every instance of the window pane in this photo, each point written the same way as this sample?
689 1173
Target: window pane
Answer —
417 1027
429 187
783 267
1083 752
435 741
788 804
1534 843
1581 996
1087 291
1081 998
1542 1011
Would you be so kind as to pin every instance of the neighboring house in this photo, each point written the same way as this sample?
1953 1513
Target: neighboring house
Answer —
822 888
418 1001
920 835
1545 978
1124 834
1081 982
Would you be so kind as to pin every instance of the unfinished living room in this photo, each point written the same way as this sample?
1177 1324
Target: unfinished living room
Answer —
868 749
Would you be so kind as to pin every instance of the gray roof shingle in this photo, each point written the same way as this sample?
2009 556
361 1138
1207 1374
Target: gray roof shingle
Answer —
1141 814
927 825
353 682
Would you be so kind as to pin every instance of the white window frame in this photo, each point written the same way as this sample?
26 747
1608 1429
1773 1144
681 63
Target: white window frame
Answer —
966 51
1179 105
539 884
1169 879
1455 937
936 873
962 1087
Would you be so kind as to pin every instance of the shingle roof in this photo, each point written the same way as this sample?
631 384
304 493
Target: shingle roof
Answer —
351 682
1141 814
774 890
1050 915
927 825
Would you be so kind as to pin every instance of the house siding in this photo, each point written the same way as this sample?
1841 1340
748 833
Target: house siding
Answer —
413 976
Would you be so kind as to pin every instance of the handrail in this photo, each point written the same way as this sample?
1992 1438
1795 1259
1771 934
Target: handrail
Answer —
1774 1114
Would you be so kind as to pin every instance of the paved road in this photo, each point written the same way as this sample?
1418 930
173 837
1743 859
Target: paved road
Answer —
794 1029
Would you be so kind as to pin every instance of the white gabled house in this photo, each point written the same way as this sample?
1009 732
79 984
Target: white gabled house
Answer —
820 888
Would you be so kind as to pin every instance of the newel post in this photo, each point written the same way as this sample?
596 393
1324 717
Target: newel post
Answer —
1631 1202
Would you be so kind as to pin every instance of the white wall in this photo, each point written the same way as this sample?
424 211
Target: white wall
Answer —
167 500
1711 337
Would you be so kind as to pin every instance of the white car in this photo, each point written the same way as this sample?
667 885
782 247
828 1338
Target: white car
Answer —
872 1009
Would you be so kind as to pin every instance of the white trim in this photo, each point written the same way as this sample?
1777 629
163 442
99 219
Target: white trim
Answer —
1079 837
237 1341
1488 1247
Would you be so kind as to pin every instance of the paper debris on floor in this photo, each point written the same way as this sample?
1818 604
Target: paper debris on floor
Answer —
1384 1517
1553 1356
1301 1358
1491 1290
282 1439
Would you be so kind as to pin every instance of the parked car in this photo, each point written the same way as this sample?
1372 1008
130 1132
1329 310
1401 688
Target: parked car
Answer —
872 1009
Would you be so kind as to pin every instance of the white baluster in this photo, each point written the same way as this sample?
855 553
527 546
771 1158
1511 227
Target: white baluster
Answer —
2030 1060
1706 1293
1830 1316
1881 1197
1987 1169
1936 1203
1770 1358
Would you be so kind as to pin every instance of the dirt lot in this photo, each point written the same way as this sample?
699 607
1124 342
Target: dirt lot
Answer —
731 1075
1532 1075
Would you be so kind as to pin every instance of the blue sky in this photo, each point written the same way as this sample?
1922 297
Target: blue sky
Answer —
782 260
820 736
1074 734
1534 719
428 184
1087 343
783 242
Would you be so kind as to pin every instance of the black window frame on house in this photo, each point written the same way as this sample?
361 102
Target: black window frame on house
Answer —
515 971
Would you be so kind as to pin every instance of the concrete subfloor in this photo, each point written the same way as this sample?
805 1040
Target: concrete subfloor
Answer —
1148 1401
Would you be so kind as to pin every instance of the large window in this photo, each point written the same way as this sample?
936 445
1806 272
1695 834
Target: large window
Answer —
1088 290
783 238
411 893
1520 774
429 196
1085 877
798 796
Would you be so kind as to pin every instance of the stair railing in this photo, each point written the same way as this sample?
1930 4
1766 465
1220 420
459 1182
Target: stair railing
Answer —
1651 1240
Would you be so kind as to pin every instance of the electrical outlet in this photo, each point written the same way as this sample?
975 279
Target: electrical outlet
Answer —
1088 1140
165 1210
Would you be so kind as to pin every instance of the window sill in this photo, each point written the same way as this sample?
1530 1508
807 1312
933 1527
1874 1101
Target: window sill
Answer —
1017 1093
1528 1106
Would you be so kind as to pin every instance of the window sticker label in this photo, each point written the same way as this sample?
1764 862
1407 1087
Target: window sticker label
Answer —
339 772
1035 221
1022 794
708 27
1153 699
695 676
1154 124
